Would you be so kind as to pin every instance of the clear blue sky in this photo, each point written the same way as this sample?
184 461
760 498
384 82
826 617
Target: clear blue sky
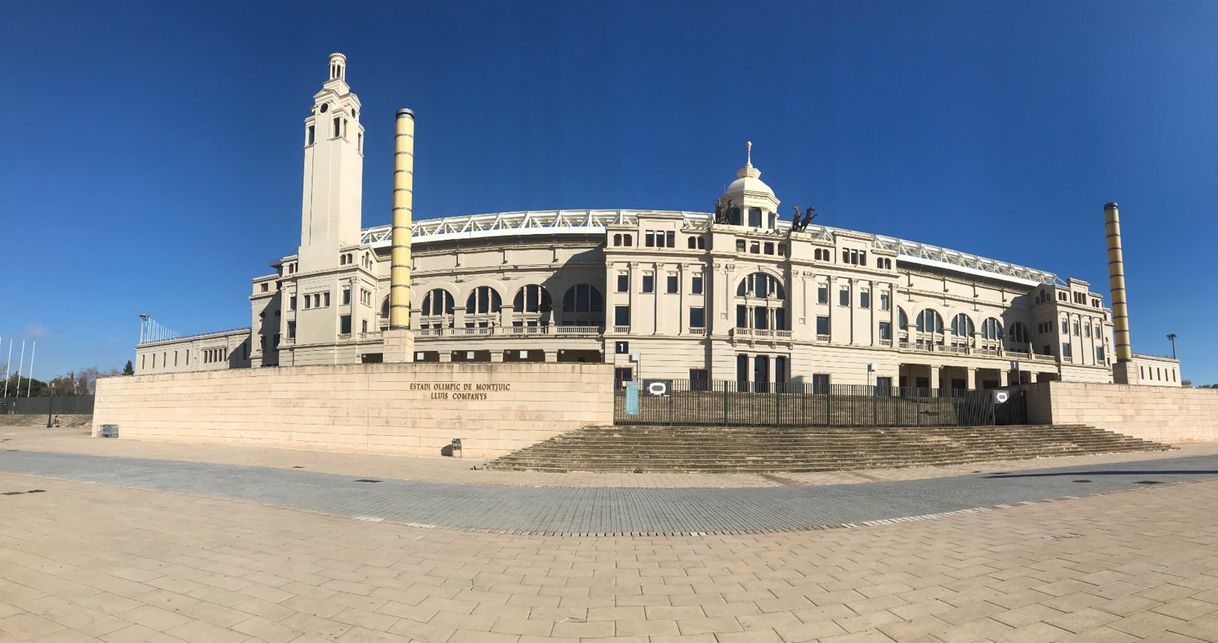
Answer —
151 157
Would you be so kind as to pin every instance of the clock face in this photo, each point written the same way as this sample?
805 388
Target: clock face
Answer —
324 107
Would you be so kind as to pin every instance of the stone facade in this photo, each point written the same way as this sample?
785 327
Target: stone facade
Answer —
404 409
1167 415
738 295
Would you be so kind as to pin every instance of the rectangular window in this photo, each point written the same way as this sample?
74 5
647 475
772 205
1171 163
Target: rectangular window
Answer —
1065 328
291 330
699 379
865 299
742 316
768 248
696 285
344 325
346 296
1076 329
309 138
843 297
326 299
621 315
885 330
885 301
292 302
673 283
1099 356
820 383
649 239
754 217
697 317
1087 330
338 123
621 376
822 294
822 325
1066 350
623 282
670 239
649 283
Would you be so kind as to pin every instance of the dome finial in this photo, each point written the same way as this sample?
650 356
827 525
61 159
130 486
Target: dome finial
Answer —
748 154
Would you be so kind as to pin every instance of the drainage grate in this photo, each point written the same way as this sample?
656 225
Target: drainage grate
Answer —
367 480
1149 482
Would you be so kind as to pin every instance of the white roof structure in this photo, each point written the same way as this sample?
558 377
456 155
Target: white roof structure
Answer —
593 223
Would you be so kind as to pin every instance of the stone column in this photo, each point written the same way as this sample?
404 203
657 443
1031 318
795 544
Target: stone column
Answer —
934 377
970 378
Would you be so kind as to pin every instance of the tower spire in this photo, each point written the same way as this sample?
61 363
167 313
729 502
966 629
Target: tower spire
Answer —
748 154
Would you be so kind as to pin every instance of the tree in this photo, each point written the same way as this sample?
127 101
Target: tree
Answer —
128 368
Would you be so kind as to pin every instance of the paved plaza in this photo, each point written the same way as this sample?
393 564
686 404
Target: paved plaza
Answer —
117 548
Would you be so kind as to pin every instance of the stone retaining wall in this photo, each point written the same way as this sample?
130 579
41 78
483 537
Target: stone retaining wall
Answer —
406 409
1156 413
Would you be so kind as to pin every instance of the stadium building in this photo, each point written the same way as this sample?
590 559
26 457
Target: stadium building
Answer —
737 295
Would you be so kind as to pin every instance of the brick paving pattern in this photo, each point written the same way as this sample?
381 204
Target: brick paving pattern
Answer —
550 510
84 562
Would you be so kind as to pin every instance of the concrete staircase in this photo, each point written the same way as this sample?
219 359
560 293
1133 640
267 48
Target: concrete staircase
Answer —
718 449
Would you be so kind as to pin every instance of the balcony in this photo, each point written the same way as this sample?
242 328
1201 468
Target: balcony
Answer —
761 333
621 330
370 336
510 331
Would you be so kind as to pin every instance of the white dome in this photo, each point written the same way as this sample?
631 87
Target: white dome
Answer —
749 181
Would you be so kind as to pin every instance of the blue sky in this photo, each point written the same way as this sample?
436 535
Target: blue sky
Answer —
152 151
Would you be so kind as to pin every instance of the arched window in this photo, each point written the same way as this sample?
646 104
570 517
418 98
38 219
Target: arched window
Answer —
482 307
1017 333
962 326
692 242
991 329
617 239
437 310
761 285
583 305
531 306
385 308
628 240
763 305
929 321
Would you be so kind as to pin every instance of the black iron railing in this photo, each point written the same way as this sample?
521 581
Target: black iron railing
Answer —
731 404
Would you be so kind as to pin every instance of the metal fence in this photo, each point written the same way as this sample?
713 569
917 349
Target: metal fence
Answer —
729 404
61 405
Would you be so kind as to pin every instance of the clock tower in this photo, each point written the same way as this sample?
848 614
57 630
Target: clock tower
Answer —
333 172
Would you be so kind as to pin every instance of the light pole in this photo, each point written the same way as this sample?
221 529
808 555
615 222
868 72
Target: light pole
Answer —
1171 337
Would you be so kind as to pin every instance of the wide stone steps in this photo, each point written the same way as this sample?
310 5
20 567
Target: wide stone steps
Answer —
795 449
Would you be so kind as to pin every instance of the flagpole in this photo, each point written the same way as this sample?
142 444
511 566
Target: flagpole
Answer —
20 365
8 363
30 385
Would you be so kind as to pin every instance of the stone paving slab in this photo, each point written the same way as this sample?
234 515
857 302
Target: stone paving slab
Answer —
95 562
450 470
549 510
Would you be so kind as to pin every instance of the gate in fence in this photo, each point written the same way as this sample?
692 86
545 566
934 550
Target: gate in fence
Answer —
62 405
729 404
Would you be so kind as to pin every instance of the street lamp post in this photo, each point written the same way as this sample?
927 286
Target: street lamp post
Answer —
1171 337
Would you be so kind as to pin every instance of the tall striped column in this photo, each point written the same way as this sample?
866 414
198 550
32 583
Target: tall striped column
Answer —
403 223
